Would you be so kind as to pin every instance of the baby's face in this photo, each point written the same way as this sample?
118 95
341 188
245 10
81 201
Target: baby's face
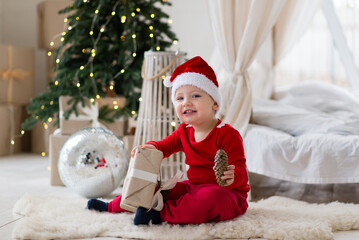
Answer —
194 106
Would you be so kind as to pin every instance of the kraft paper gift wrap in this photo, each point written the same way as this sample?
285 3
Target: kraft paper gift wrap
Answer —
88 115
17 66
50 23
11 117
57 140
141 180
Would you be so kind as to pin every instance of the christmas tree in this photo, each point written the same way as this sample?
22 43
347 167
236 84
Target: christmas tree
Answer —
101 54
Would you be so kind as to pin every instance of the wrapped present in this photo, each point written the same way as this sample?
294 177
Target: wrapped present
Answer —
40 137
11 117
141 179
88 116
51 24
16 74
56 141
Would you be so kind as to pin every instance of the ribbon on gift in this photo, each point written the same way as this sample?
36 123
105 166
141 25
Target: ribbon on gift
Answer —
91 114
157 202
10 74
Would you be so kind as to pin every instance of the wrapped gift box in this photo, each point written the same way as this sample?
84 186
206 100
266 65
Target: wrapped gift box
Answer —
11 117
50 23
40 138
56 142
87 113
141 179
16 74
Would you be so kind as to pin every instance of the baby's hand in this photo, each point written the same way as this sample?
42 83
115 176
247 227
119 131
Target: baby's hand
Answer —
229 175
146 146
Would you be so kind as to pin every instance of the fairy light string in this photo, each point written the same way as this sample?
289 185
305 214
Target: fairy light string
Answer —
96 32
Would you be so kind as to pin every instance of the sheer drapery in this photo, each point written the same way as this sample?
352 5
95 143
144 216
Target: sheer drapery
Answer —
292 22
240 27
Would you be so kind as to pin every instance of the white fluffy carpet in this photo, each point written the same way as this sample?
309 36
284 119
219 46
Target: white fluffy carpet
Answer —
49 217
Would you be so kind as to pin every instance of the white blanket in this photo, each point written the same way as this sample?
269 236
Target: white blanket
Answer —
310 134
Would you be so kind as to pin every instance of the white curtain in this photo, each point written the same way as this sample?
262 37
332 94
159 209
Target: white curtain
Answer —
240 27
292 22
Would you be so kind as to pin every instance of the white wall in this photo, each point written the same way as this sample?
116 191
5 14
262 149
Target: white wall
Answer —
191 23
18 26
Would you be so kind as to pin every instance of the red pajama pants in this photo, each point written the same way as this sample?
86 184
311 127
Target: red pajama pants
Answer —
190 203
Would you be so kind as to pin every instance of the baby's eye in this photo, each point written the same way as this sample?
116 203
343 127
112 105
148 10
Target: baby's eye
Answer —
196 96
179 98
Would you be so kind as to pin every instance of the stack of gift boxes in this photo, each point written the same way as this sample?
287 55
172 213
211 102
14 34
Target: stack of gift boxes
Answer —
16 90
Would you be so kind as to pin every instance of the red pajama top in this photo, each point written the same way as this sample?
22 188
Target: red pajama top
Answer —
200 155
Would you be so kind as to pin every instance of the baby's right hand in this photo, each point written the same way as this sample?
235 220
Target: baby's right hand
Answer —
146 146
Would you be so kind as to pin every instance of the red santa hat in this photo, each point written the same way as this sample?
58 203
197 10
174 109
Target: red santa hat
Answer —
198 73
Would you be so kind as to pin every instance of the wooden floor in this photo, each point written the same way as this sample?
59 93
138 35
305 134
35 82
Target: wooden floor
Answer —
28 173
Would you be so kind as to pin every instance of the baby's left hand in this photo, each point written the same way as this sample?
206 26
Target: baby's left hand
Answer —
229 175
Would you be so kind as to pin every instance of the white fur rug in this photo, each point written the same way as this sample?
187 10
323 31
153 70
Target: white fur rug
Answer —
49 217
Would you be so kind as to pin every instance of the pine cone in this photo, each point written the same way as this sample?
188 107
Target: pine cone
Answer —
220 165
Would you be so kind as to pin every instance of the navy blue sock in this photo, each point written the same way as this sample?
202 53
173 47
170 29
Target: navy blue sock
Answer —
143 216
97 205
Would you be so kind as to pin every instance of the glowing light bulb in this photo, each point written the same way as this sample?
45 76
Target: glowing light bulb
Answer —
150 27
91 74
58 60
22 132
12 142
138 9
123 19
140 99
82 68
158 48
173 124
65 19
43 154
133 36
69 28
96 11
134 54
77 18
49 119
91 33
42 107
115 107
133 112
113 13
123 70
175 42
133 14
52 44
111 87
102 29
49 53
78 85
56 82
92 100
170 21
51 102
152 15
62 39
151 35
97 96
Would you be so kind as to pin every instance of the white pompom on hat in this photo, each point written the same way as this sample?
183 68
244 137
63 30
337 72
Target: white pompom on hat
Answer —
198 73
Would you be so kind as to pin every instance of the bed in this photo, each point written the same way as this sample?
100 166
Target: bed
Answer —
305 134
